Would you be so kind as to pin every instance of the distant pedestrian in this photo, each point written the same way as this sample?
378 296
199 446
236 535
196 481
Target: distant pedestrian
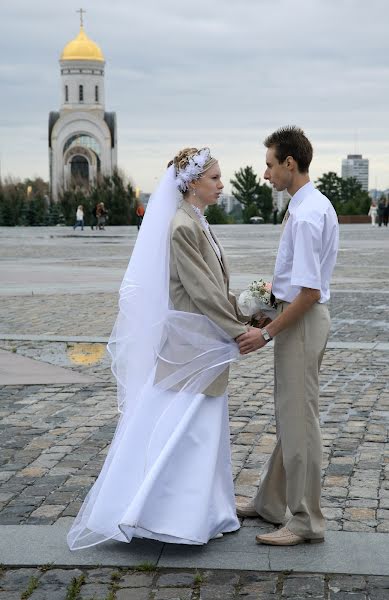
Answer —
101 214
94 217
386 212
140 213
275 214
373 214
79 218
381 212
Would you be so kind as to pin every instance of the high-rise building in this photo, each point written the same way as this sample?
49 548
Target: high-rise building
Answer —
280 199
356 166
82 136
228 202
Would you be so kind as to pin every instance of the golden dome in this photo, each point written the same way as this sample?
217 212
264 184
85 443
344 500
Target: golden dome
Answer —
82 48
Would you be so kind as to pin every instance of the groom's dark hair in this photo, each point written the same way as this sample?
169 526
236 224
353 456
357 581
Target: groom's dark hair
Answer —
291 141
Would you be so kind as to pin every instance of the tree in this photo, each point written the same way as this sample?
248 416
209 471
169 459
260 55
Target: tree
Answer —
27 202
355 200
38 186
36 211
12 198
256 198
245 186
236 214
23 203
346 195
122 201
249 211
118 200
216 215
69 201
55 216
331 186
265 202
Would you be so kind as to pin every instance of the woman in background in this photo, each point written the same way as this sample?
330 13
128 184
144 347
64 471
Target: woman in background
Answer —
79 218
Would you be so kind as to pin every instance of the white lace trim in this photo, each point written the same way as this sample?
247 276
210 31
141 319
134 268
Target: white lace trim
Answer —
204 223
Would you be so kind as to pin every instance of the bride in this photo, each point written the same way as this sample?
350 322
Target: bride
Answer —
167 475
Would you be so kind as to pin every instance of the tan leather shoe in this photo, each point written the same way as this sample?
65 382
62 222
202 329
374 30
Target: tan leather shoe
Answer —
285 537
246 510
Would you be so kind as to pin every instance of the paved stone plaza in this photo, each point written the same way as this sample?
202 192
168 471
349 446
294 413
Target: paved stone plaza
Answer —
58 414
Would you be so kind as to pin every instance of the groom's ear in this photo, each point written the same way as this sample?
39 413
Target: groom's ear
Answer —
289 162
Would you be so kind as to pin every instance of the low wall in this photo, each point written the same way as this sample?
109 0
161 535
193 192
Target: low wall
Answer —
353 219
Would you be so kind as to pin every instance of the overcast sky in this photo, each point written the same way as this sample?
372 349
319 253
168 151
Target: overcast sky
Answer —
222 73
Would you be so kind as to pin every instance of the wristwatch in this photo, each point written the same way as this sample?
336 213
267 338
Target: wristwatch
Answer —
266 335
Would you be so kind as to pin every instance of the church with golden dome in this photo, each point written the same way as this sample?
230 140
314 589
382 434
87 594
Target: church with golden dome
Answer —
82 135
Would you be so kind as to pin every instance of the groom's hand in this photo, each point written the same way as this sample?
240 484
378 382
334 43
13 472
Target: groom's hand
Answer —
251 341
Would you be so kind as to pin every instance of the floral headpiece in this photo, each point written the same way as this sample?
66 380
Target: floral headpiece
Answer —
193 169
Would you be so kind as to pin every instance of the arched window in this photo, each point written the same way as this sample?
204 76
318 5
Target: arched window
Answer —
96 93
83 139
66 93
86 141
79 168
81 93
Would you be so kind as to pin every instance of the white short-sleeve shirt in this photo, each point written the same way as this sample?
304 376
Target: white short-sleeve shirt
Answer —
308 247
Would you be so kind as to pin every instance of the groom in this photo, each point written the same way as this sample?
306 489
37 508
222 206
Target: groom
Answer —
301 286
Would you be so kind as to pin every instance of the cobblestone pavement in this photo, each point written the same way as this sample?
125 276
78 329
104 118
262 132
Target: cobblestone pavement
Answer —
54 438
121 584
45 270
356 317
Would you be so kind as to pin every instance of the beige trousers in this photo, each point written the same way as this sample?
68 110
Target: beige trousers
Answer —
292 475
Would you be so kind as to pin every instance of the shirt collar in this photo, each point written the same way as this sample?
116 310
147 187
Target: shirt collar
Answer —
299 196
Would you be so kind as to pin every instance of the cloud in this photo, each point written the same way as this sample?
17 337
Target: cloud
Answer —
222 74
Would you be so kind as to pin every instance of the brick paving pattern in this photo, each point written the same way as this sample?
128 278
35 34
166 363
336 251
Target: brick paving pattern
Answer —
54 438
124 584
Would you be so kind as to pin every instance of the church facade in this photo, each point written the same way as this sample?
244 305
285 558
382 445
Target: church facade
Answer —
82 136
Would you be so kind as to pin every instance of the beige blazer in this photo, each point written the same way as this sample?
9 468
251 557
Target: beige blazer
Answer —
199 280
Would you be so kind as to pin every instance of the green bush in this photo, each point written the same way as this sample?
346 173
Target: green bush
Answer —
216 215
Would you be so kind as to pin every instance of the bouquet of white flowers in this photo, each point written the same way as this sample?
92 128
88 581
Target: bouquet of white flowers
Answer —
257 299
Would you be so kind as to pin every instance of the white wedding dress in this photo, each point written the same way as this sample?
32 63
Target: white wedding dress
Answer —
167 475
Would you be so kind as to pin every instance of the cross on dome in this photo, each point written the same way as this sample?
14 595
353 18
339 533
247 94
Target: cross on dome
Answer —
82 12
82 47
